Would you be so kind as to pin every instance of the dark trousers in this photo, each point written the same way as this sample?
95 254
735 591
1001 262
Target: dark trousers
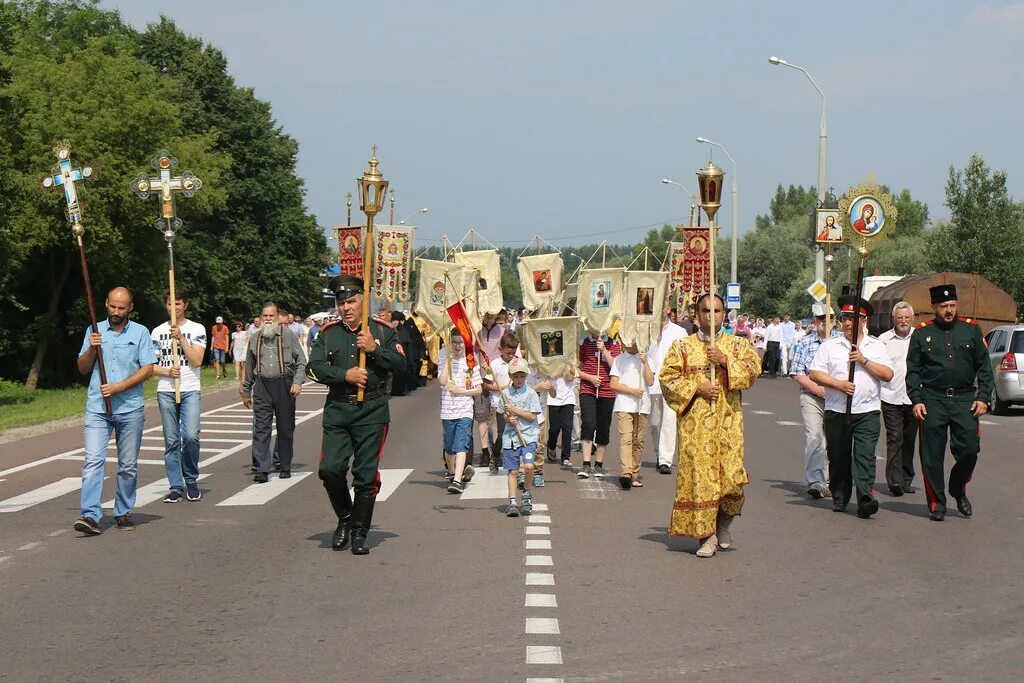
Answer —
900 437
954 415
595 418
560 422
359 445
499 421
272 402
773 358
849 467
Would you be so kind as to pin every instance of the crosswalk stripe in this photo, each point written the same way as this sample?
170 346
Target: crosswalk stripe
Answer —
149 493
390 480
41 494
260 494
486 485
787 423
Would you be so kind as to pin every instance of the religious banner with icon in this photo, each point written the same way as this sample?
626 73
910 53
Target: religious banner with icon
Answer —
693 269
392 262
488 295
540 276
642 307
828 228
599 297
440 285
350 250
677 297
551 344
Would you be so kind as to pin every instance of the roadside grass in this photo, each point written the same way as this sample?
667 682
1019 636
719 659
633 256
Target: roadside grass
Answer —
20 407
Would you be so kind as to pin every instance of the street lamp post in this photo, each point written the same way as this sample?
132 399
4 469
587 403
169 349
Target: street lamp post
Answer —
819 261
372 190
734 255
693 200
412 213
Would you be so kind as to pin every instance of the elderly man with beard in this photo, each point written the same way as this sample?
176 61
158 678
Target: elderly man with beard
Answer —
897 411
851 440
354 429
129 357
946 357
275 367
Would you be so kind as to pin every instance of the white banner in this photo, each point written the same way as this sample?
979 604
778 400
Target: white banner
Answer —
488 287
440 285
643 305
551 344
540 276
599 297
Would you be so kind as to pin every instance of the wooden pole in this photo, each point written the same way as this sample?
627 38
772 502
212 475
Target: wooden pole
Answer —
392 220
92 319
174 321
365 318
348 203
712 301
828 292
856 331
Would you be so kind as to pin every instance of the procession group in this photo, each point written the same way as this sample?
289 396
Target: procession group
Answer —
684 392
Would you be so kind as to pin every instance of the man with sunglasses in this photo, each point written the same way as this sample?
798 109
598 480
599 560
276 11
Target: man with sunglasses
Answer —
851 439
946 357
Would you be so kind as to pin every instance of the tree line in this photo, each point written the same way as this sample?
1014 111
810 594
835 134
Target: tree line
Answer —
71 70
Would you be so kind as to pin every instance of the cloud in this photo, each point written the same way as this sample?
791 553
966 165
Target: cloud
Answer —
1006 16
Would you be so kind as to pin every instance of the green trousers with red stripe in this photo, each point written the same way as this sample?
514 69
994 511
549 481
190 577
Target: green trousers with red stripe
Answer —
358 445
952 416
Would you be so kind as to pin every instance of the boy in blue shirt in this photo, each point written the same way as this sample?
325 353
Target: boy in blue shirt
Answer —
521 407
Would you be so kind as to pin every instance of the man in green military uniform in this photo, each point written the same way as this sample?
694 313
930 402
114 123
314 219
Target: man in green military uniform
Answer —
945 357
354 431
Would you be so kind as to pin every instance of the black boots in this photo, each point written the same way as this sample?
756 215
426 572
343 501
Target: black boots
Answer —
362 515
342 504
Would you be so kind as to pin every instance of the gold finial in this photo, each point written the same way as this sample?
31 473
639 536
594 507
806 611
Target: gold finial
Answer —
871 179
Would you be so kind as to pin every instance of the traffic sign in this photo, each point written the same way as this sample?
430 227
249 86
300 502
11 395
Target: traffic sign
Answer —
817 291
732 295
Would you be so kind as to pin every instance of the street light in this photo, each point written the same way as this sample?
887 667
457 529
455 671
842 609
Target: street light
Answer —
411 213
693 200
819 260
734 257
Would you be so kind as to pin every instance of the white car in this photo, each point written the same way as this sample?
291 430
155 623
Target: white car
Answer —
1006 353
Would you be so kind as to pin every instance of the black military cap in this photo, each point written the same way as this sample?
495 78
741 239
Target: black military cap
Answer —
848 303
345 286
943 293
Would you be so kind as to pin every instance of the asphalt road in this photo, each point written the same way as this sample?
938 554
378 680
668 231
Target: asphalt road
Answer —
589 589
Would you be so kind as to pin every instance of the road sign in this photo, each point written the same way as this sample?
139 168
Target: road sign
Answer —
817 291
732 295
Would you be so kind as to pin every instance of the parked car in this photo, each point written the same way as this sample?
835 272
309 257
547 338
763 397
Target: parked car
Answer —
1006 353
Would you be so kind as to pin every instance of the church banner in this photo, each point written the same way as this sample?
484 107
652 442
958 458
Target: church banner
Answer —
350 250
488 296
691 261
551 344
599 297
540 276
643 305
442 284
392 262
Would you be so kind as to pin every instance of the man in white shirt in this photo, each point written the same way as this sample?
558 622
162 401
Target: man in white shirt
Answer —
897 410
851 443
180 420
788 328
662 430
773 354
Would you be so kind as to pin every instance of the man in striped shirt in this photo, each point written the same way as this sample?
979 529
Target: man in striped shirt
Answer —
596 355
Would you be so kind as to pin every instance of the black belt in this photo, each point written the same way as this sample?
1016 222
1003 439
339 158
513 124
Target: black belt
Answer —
950 392
354 398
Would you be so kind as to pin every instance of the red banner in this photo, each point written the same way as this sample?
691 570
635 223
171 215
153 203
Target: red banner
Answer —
350 250
692 268
457 312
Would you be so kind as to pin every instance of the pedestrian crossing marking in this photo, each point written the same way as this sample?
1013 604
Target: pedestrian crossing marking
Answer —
260 494
540 519
541 600
149 493
390 480
486 485
41 494
786 423
762 412
539 579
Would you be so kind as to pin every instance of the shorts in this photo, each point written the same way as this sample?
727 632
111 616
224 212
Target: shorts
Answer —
456 434
218 355
511 457
482 409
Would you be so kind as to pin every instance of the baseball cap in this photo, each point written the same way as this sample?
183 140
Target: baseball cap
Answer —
518 365
220 318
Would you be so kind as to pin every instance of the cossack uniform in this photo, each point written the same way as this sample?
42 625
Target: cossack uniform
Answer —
944 361
354 432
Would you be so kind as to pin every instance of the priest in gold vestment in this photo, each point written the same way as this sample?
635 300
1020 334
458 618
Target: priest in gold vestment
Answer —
710 475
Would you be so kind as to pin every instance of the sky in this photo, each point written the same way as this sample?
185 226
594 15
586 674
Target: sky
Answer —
560 119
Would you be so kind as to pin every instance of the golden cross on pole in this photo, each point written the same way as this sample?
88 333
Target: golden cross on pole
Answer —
166 187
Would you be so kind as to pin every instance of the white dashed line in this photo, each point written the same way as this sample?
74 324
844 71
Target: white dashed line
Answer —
542 625
537 544
987 422
540 519
541 600
537 531
539 561
787 423
543 654
4 558
30 546
545 680
539 579
762 412
58 532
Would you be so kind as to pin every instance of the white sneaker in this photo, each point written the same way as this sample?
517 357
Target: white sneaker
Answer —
709 547
724 537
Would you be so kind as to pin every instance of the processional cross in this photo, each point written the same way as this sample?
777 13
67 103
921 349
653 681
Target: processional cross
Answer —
167 187
66 176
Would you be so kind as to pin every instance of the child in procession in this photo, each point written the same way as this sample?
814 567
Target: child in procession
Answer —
630 378
520 409
458 388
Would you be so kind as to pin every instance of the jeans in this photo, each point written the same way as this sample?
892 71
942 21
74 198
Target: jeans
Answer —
181 437
127 428
812 410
